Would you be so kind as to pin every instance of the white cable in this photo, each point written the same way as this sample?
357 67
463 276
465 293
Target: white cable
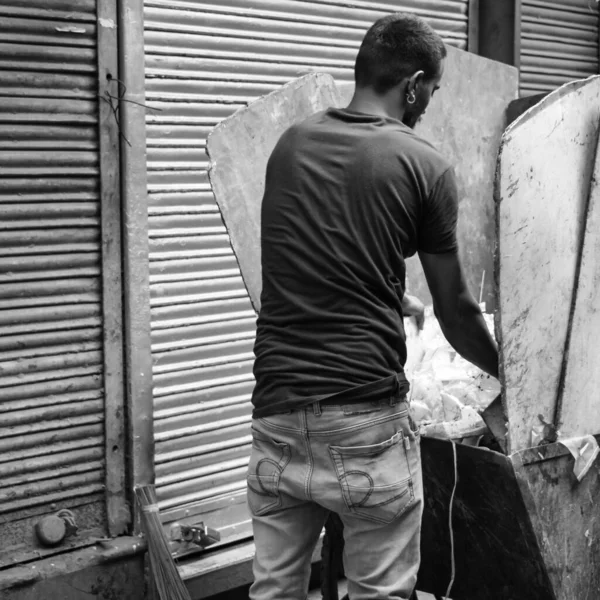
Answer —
452 558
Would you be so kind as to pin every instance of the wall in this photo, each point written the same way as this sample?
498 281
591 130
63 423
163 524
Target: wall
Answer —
465 121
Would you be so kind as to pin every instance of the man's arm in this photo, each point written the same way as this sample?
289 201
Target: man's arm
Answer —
457 311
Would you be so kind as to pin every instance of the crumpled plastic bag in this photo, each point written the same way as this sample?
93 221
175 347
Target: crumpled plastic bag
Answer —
441 378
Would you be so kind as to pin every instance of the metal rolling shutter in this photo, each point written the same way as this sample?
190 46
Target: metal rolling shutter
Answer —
204 60
51 358
559 43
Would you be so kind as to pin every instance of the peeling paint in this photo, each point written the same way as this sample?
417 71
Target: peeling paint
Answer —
71 29
108 23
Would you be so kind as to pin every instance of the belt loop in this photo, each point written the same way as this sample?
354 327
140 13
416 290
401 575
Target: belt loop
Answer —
317 408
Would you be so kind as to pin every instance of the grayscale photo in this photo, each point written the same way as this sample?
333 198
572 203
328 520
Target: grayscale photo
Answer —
299 299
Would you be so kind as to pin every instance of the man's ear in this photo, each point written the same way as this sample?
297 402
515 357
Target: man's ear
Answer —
415 81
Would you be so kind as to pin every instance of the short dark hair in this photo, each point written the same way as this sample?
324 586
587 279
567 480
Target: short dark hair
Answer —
395 47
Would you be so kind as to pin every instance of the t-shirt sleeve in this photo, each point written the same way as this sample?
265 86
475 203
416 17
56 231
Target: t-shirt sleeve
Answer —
437 231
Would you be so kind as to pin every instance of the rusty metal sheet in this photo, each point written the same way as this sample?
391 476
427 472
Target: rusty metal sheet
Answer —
522 526
52 376
497 553
534 191
238 183
564 516
559 43
577 411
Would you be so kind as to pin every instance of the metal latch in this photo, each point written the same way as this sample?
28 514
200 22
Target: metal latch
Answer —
198 534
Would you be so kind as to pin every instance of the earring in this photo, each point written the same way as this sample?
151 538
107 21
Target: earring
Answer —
410 97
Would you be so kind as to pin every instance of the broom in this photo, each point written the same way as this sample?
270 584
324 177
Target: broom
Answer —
163 570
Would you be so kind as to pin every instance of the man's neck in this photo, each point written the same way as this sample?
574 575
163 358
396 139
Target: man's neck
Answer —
366 101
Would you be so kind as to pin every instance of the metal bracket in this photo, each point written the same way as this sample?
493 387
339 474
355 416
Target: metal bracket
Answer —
198 534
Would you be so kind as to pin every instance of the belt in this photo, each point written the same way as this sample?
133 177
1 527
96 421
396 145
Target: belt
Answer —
374 391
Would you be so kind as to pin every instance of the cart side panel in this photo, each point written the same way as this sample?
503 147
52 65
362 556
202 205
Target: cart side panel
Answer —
496 550
565 516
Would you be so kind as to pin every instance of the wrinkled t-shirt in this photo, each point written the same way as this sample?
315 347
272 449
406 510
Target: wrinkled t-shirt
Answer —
348 196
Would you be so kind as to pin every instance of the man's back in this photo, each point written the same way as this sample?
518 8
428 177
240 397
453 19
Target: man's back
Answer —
348 196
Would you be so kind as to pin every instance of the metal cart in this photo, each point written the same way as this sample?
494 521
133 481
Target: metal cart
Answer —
524 527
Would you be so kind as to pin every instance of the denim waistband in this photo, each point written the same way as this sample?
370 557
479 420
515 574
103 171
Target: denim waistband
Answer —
395 387
351 408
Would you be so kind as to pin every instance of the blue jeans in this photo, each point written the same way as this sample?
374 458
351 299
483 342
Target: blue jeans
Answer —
361 461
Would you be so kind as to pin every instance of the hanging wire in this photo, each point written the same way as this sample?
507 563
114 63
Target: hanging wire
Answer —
114 102
451 528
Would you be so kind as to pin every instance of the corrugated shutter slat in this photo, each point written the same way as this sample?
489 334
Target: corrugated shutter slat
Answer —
559 43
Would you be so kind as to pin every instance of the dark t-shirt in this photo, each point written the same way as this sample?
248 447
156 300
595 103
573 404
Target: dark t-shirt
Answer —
348 197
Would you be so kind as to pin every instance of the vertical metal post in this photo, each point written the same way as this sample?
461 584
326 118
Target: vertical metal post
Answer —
117 511
473 27
499 30
138 356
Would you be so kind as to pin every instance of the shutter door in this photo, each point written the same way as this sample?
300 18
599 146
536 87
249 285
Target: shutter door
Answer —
204 60
51 357
559 43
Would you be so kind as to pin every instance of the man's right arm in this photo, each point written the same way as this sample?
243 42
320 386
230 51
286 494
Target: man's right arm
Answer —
457 311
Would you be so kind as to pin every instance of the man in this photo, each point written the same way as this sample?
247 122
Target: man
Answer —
349 195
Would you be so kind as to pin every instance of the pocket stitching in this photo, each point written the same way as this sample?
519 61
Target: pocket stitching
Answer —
280 466
338 452
263 491
405 484
370 449
369 493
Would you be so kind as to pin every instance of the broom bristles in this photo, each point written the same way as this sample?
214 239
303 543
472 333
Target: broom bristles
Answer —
163 569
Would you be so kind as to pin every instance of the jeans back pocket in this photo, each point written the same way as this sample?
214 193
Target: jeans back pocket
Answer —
375 479
268 459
